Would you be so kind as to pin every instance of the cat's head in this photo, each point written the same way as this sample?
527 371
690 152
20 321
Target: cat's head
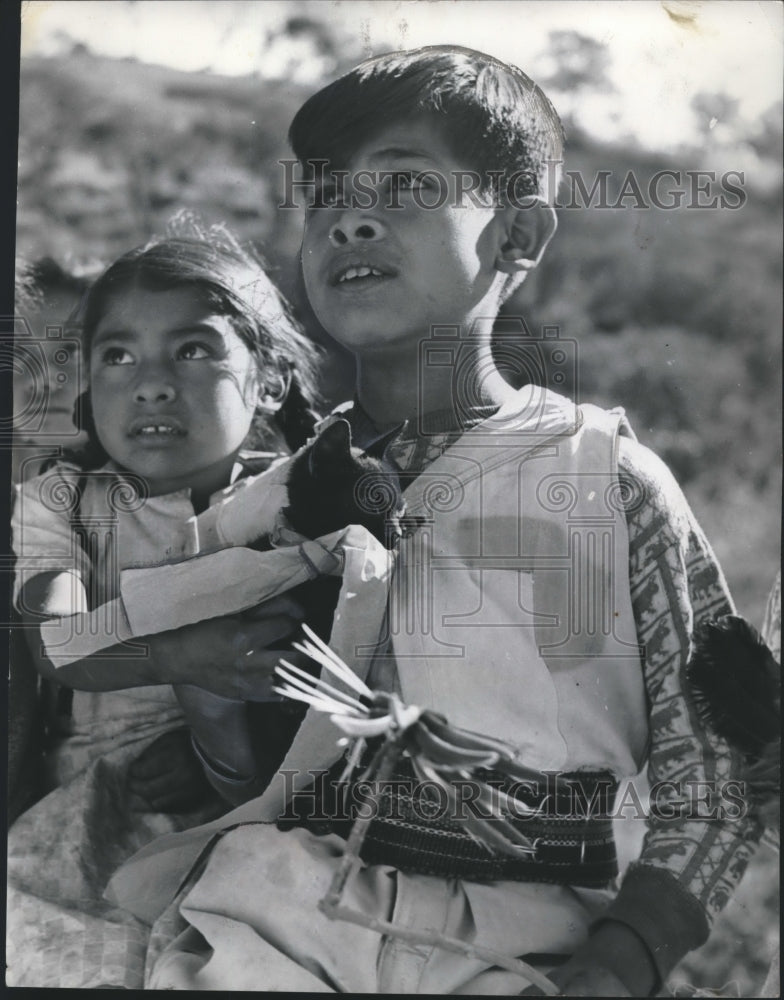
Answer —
333 484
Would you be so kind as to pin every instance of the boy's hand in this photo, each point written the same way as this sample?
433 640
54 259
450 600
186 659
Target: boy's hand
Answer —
578 979
167 777
613 962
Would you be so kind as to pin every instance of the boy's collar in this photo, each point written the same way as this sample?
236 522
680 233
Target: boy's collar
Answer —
365 432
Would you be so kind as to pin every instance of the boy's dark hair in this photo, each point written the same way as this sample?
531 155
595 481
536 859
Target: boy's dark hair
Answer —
494 116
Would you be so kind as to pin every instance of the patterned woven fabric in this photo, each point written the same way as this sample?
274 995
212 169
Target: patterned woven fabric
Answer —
676 584
61 853
413 831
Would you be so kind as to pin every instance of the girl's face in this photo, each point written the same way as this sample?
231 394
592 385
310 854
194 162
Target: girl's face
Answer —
173 389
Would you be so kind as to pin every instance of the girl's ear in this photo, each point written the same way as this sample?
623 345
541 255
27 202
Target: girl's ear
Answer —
273 391
527 229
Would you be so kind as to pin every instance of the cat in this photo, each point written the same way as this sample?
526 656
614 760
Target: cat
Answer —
331 484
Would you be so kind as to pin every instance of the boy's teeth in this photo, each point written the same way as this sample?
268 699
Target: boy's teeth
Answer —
360 272
157 429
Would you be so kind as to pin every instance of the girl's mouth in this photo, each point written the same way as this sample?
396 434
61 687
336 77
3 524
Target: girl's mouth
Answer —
159 429
152 430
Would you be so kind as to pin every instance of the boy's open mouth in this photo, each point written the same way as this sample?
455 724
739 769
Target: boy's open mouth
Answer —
359 272
354 274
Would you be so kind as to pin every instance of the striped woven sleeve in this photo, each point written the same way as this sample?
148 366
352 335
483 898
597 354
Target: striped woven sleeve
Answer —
698 839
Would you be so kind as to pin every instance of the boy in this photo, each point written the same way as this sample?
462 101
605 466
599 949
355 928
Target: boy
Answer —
531 584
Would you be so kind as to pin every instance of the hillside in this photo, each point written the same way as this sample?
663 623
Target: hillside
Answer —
676 314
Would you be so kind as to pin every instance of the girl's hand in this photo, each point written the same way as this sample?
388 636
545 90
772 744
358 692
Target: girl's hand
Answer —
232 657
220 726
167 777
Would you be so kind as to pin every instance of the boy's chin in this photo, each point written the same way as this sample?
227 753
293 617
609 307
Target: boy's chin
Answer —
371 342
367 334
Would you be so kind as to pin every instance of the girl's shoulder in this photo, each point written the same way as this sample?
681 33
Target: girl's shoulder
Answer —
38 473
58 486
254 462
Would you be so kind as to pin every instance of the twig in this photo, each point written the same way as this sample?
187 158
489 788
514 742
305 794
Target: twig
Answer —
516 965
381 767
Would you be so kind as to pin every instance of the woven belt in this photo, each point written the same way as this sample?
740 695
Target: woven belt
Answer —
571 831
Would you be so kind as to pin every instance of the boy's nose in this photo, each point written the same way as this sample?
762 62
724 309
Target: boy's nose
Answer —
355 230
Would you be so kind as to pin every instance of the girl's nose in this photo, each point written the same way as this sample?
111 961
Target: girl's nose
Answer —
356 230
154 389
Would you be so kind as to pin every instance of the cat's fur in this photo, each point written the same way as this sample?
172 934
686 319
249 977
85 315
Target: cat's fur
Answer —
331 484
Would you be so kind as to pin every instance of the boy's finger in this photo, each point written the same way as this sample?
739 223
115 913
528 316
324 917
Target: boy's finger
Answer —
183 797
282 605
170 790
251 637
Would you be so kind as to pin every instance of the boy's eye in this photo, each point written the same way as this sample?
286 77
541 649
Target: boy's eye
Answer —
402 180
193 351
116 356
326 196
407 180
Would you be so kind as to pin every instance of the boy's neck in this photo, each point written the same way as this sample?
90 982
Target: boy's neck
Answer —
392 391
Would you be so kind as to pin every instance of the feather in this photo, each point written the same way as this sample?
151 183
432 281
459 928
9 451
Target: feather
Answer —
736 684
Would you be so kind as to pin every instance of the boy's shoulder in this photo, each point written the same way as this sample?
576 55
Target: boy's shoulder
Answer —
654 501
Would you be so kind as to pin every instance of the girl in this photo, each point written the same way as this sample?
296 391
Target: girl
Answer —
191 355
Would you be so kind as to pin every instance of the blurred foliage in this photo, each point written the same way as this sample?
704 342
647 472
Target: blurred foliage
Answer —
677 317
580 62
676 314
744 938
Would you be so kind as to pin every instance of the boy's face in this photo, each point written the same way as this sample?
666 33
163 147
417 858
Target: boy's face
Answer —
379 277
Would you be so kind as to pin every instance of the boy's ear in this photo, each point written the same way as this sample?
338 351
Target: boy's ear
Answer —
527 229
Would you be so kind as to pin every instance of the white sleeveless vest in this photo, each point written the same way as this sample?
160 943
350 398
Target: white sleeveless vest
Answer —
510 611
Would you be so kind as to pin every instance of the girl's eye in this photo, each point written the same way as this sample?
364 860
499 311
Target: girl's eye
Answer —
116 356
193 351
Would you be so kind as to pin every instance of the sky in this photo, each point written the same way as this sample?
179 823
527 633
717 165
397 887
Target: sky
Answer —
661 54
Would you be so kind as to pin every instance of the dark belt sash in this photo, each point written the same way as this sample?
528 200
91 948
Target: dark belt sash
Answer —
412 829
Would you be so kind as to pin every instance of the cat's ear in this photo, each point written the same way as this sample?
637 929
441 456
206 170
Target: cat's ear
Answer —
331 447
377 449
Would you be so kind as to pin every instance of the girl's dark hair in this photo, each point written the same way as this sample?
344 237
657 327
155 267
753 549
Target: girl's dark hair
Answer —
232 280
494 117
